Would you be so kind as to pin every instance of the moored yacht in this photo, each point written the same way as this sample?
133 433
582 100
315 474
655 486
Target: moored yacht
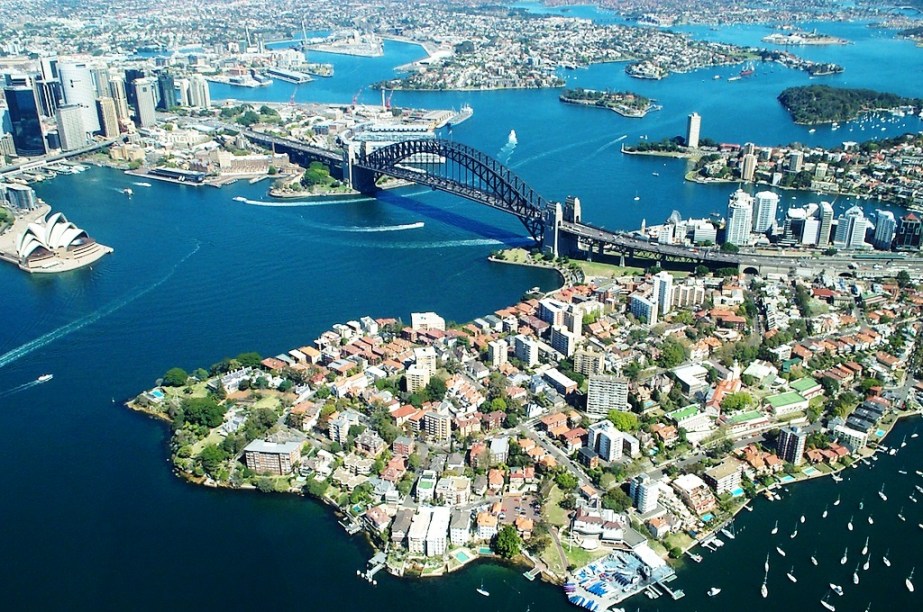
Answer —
908 582
713 591
885 559
843 560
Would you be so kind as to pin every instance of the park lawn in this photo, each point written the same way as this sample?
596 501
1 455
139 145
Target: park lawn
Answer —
515 255
681 540
555 514
579 556
552 559
594 268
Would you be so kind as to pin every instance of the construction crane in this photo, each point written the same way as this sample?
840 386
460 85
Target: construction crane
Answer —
388 103
356 97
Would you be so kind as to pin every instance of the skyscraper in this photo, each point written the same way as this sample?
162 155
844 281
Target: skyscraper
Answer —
166 86
604 393
885 229
644 493
850 229
663 291
748 167
144 94
693 126
23 105
78 88
198 92
909 234
826 224
791 445
120 98
766 203
71 130
740 218
108 118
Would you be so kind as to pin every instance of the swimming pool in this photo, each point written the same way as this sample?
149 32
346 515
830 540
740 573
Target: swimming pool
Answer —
809 471
157 393
880 433
462 557
737 492
707 517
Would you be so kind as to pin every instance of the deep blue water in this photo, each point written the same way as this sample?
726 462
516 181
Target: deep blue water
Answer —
92 513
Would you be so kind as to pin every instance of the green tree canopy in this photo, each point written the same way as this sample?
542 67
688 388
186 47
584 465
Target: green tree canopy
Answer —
616 499
175 377
672 353
507 542
736 401
624 420
203 411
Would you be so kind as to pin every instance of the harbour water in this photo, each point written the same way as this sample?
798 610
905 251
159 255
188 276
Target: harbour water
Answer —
93 516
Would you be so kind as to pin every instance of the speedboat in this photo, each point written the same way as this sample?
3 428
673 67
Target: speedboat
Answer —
802 518
765 592
837 589
814 559
900 514
837 478
824 515
794 533
865 548
885 559
827 604
44 378
713 591
855 575
868 561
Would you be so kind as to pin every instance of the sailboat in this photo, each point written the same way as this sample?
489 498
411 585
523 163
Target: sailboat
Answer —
794 533
904 442
766 565
881 493
865 548
843 560
775 528
908 582
868 561
885 559
763 590
824 515
855 575
827 604
814 558
849 524
780 551
482 591
837 502
900 514
914 434
871 520
802 518
791 575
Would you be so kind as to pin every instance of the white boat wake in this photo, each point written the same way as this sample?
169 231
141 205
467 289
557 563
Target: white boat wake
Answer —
65 330
141 184
297 203
384 228
18 388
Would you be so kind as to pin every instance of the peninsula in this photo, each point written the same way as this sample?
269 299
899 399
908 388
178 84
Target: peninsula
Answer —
817 104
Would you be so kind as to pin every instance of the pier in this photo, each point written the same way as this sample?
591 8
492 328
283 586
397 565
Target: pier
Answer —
376 564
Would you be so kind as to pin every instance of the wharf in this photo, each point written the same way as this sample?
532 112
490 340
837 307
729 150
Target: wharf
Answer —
376 564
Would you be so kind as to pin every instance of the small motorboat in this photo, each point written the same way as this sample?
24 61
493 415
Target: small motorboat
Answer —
844 558
44 378
837 589
713 591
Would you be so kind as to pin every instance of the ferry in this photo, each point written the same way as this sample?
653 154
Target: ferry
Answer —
481 590
713 591
44 378
837 589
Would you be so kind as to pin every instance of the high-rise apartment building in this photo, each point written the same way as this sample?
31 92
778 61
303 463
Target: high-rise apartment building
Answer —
740 218
791 444
604 393
25 123
765 203
693 127
144 94
71 130
108 117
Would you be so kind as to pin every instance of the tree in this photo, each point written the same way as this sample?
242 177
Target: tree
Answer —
672 353
507 542
317 488
736 401
730 247
212 459
202 411
903 278
498 404
566 480
616 499
624 421
251 360
175 377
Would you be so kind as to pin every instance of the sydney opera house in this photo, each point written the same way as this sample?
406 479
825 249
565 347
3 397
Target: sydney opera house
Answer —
54 244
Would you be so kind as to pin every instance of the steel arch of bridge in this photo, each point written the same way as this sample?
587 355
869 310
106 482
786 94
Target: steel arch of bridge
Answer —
461 170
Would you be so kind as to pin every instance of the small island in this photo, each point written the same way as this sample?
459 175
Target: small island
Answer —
801 38
625 103
816 104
